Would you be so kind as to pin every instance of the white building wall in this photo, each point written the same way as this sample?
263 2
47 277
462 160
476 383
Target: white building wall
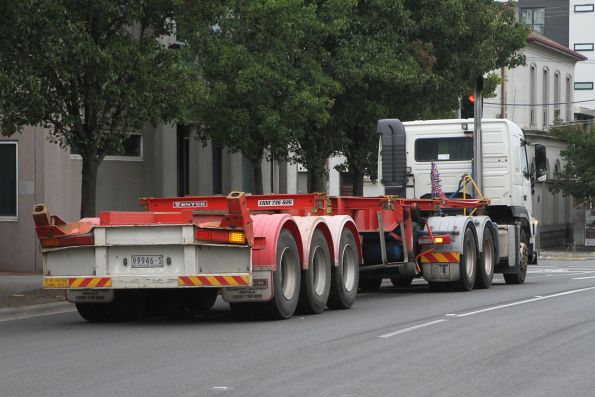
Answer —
582 31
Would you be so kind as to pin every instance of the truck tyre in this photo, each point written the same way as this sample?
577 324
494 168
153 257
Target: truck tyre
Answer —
95 312
200 299
401 282
467 261
487 261
316 279
369 284
345 276
286 279
521 273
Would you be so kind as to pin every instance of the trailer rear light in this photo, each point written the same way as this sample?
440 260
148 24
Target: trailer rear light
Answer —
221 236
437 240
236 237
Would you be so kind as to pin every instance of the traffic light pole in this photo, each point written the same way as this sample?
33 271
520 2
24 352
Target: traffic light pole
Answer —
477 144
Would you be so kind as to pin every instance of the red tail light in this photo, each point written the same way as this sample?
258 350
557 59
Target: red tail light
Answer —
437 240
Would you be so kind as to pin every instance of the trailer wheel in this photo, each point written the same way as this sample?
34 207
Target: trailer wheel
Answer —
200 299
95 312
401 282
521 273
487 261
370 283
129 305
345 276
316 280
468 261
286 278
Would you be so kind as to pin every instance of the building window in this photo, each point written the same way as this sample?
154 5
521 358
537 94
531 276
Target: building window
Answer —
583 8
546 97
534 18
568 98
8 181
557 115
583 85
583 46
130 150
532 95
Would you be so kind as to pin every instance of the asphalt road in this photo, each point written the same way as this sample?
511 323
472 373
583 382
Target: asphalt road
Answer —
536 339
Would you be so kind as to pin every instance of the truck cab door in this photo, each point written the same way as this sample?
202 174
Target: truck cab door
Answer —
521 189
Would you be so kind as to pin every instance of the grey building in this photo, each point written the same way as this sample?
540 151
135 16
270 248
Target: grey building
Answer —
547 17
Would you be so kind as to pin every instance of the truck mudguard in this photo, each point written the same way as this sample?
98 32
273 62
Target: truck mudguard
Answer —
307 225
269 226
336 225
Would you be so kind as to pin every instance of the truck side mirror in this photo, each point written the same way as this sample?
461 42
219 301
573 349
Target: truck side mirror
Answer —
540 163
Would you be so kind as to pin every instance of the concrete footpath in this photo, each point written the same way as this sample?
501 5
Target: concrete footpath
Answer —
21 295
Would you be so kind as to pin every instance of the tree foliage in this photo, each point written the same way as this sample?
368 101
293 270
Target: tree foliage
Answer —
91 72
423 66
577 177
265 86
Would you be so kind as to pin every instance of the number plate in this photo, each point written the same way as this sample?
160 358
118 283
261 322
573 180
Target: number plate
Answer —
145 261
55 282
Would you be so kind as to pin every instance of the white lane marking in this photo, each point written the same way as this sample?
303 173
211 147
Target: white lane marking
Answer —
489 309
583 278
402 331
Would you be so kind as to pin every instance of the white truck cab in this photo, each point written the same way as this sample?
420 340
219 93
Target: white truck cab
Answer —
409 149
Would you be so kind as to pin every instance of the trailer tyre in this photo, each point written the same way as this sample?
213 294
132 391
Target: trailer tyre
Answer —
401 282
286 279
519 276
468 261
200 299
487 261
369 284
316 279
95 312
345 276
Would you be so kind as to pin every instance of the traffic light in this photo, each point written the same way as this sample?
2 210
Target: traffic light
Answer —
467 106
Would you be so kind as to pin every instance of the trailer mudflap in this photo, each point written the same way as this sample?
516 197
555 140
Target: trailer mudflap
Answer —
260 291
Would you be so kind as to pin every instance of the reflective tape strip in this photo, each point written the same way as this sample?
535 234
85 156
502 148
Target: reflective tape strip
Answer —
213 281
441 257
90 282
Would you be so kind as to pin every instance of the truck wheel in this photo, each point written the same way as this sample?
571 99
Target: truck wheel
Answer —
521 273
95 312
487 261
369 284
345 276
286 279
468 261
401 282
200 299
316 280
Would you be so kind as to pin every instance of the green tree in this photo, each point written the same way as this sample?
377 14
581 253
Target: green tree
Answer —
577 177
412 59
264 84
91 71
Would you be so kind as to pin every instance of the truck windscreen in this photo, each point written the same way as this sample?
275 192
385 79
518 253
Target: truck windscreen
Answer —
444 149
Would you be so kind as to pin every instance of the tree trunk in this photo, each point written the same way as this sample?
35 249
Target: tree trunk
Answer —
257 177
358 182
89 185
316 182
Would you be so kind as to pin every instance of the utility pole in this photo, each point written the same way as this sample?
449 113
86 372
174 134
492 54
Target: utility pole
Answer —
477 152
